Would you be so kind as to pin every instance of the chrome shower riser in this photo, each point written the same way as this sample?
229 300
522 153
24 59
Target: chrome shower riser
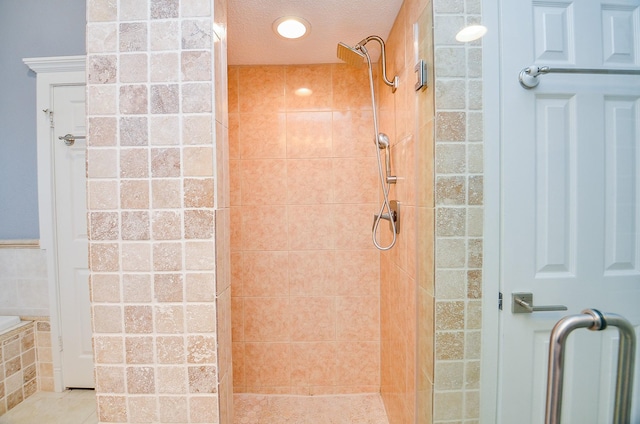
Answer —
389 210
356 54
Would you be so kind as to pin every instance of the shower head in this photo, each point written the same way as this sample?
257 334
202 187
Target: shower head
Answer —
349 54
355 55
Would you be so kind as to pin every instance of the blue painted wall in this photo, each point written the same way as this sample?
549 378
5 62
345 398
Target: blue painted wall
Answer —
28 28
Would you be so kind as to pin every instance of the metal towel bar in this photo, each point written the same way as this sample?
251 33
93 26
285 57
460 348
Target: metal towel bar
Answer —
595 320
528 77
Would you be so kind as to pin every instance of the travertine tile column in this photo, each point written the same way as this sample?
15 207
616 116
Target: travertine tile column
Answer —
158 210
459 195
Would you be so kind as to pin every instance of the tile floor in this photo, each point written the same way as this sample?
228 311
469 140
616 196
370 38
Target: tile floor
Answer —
79 407
68 407
340 409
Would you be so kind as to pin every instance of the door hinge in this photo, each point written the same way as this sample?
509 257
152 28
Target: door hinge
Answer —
500 300
49 113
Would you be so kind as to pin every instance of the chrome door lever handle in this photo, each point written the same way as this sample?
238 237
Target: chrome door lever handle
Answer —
69 139
522 303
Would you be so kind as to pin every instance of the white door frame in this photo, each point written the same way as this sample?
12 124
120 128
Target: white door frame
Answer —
492 110
51 72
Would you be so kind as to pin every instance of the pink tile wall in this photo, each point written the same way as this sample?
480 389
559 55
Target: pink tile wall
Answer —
305 290
407 269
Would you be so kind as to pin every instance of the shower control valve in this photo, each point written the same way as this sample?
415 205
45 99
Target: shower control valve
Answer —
393 217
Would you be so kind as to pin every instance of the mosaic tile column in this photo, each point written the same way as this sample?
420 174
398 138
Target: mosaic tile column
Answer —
158 210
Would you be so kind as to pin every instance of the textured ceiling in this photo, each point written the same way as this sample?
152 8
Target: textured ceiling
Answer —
251 40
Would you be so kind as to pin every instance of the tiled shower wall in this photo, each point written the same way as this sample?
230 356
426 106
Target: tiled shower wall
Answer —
448 292
304 189
407 269
459 214
158 210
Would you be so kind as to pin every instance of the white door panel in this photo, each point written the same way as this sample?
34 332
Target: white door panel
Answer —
71 236
570 195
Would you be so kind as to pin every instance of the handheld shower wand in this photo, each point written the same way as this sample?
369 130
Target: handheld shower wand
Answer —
383 144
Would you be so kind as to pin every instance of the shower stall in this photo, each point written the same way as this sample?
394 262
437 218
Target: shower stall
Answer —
317 308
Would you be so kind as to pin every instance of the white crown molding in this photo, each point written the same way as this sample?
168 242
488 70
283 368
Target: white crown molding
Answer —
56 64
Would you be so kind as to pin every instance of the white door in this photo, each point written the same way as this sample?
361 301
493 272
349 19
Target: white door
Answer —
570 195
71 235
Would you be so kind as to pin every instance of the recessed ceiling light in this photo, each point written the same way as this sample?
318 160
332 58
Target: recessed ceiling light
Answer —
291 27
471 33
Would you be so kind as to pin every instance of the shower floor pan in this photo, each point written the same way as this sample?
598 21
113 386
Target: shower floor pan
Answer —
290 409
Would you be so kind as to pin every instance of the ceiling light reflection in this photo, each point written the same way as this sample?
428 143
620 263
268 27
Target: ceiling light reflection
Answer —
303 92
471 33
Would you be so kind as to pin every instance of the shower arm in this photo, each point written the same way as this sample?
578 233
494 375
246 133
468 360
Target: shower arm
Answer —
393 84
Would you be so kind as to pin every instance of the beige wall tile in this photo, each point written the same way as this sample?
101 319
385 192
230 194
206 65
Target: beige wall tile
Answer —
102 11
143 409
132 10
173 409
136 288
112 408
133 68
163 131
108 350
139 350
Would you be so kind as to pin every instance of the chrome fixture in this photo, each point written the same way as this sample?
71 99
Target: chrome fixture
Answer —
421 75
355 56
528 77
383 143
393 217
522 303
70 139
594 320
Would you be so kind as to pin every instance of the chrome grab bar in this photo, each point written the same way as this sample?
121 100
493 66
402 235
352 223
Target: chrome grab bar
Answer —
594 320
